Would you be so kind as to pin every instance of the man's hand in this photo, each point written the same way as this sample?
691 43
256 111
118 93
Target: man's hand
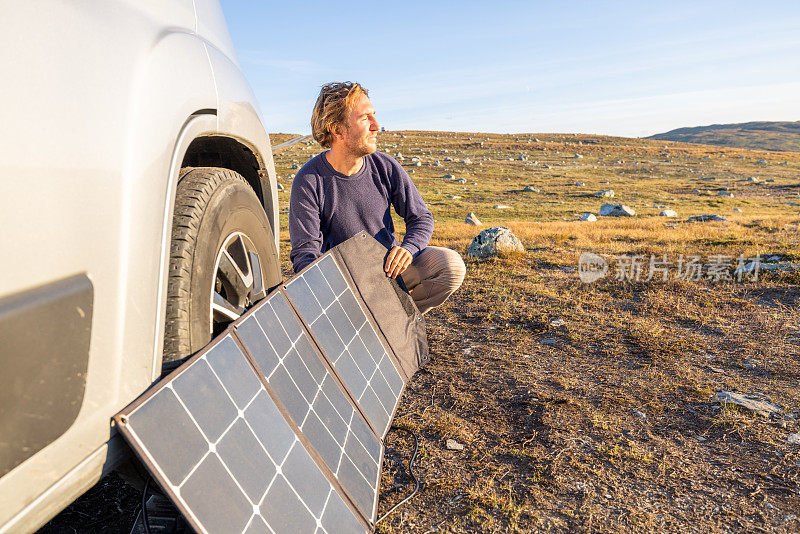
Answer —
397 261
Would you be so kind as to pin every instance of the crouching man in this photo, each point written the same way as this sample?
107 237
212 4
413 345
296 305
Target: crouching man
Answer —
351 188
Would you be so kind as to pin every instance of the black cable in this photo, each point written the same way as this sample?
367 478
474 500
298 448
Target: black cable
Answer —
145 517
410 471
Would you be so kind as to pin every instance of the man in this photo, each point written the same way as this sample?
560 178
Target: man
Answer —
351 188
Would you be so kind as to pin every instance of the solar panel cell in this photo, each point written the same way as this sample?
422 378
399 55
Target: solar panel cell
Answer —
269 427
304 299
306 479
247 460
325 333
359 488
322 291
290 396
234 370
352 309
338 519
163 422
230 515
333 275
200 390
258 345
284 511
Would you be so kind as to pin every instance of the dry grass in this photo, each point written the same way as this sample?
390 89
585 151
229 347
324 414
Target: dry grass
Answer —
604 423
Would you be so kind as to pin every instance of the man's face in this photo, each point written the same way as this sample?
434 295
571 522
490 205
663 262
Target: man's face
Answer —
359 134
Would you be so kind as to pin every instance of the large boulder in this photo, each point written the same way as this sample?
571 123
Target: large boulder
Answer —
616 210
493 241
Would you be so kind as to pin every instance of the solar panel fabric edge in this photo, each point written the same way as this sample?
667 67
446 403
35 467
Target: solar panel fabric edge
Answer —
294 424
160 475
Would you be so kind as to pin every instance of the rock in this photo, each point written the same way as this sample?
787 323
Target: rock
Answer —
753 179
502 207
280 187
548 341
724 194
448 177
616 210
590 217
755 403
496 240
737 210
453 445
454 197
295 166
467 161
461 180
417 164
607 193
640 415
578 156
557 322
668 213
580 184
472 219
706 218
794 439
531 189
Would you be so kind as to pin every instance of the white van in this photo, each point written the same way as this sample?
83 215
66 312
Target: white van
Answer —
138 217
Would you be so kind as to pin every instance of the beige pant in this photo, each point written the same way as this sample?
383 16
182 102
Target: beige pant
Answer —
433 276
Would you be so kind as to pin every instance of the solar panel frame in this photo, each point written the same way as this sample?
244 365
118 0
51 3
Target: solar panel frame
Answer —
331 372
158 473
370 321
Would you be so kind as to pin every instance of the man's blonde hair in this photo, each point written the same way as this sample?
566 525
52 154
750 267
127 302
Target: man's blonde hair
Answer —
334 101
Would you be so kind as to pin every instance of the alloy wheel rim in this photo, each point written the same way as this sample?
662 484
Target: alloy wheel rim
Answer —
237 282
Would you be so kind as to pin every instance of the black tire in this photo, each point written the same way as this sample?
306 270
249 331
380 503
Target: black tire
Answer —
214 207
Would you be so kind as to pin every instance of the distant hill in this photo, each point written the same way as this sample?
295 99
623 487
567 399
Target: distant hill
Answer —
778 136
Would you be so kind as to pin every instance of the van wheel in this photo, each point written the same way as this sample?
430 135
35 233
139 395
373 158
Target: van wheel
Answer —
222 258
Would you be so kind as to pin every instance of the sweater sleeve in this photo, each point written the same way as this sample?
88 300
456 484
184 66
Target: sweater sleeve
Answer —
409 205
305 232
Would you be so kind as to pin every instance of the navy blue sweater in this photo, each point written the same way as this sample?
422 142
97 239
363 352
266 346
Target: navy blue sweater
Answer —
327 207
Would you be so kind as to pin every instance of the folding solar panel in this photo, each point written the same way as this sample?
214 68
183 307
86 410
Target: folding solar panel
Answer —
327 304
314 399
219 446
277 425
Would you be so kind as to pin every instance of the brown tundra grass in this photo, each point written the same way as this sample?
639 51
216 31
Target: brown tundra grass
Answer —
587 407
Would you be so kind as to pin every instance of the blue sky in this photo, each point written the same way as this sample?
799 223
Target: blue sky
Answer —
618 68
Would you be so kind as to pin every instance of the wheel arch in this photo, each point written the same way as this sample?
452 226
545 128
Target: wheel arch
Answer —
200 143
218 150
